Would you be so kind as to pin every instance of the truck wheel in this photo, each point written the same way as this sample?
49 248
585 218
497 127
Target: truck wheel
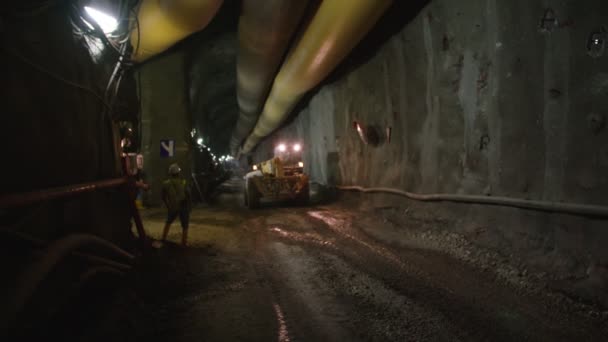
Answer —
252 196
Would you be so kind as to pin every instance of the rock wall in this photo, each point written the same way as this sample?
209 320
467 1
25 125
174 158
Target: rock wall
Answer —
481 97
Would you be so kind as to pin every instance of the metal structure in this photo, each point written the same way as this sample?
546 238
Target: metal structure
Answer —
12 201
113 260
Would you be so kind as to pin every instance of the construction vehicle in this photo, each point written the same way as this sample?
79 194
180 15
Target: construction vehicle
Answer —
279 178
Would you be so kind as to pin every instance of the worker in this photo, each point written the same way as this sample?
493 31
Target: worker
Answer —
177 199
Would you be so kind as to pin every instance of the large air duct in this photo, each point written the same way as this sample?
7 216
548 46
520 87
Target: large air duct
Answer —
163 23
265 29
334 31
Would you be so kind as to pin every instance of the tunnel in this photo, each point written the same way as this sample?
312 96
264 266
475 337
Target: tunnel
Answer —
304 170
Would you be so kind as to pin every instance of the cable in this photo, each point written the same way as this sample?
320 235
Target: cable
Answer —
138 32
568 208
97 30
41 69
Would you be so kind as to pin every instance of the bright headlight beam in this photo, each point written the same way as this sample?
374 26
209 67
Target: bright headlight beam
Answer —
105 21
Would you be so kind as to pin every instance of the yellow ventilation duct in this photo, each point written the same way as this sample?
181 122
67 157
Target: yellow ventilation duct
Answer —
334 31
163 23
265 29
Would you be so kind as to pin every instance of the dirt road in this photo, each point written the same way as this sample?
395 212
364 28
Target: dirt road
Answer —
323 273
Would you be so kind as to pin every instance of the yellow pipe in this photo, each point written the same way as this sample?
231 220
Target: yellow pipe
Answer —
265 29
334 31
163 23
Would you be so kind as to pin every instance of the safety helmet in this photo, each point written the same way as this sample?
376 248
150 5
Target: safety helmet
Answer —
174 169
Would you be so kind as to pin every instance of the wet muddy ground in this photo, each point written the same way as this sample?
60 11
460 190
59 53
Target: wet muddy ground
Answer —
323 273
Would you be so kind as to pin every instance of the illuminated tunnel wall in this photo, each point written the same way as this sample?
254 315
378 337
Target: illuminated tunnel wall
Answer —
482 97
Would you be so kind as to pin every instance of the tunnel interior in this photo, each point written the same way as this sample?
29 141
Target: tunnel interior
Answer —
460 147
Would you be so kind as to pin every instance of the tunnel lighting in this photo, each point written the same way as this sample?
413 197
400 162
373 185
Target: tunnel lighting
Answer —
106 22
255 167
300 164
282 147
297 147
199 141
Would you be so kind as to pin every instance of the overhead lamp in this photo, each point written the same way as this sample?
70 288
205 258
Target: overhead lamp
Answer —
297 147
282 147
107 22
199 141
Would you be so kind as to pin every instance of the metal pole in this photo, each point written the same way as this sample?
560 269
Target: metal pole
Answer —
11 201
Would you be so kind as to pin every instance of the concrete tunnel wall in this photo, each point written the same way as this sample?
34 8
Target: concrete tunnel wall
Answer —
481 101
165 116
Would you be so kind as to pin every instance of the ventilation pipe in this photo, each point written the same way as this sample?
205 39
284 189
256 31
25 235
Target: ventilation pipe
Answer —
265 29
334 31
163 23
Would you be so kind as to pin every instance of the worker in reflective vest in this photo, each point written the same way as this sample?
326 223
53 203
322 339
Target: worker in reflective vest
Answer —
177 199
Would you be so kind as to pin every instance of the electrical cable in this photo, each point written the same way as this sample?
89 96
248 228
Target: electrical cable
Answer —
138 31
139 85
97 30
43 70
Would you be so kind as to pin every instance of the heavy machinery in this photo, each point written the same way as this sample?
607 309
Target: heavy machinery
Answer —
279 178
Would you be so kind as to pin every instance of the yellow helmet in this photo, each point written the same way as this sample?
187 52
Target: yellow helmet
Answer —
174 169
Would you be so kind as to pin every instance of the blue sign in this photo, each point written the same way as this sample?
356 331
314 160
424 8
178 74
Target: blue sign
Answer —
167 148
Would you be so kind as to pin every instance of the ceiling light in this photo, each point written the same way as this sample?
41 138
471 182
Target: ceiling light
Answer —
297 147
106 22
282 147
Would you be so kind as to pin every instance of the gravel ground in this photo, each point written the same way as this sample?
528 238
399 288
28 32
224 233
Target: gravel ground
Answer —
330 273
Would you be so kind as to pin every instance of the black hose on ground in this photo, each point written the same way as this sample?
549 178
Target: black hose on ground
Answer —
30 279
555 207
